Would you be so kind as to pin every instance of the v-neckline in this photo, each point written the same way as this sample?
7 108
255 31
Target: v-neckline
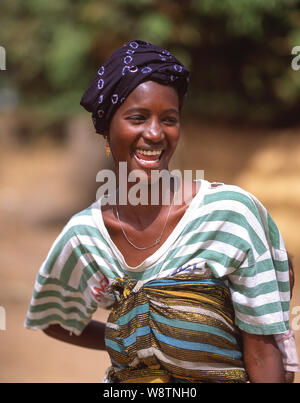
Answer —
150 260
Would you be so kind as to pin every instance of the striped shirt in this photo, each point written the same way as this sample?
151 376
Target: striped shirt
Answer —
225 231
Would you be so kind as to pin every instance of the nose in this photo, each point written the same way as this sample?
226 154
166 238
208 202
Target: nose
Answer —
154 131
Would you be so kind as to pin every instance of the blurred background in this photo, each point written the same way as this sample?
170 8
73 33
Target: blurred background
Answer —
241 125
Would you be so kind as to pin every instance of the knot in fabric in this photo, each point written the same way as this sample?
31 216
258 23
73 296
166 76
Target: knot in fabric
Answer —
130 315
123 287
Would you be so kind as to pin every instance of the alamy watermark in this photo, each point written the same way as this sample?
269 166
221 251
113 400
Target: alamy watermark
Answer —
295 318
296 59
2 318
2 58
138 187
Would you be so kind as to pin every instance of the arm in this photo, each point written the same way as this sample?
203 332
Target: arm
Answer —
262 359
287 346
91 337
286 342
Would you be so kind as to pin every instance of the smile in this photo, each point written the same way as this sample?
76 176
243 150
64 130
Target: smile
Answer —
148 152
148 158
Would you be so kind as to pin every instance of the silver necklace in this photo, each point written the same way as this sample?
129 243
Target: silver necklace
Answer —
157 241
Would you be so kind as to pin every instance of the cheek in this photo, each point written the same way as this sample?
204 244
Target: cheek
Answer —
121 142
118 137
177 137
174 139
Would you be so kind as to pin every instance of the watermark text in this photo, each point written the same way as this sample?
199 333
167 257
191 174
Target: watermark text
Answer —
139 188
2 58
296 59
295 322
2 318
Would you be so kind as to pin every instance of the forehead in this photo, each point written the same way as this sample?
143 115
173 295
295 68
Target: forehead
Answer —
151 92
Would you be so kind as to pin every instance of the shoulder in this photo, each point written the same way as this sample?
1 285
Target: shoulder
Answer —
223 191
79 237
84 222
80 230
233 198
236 205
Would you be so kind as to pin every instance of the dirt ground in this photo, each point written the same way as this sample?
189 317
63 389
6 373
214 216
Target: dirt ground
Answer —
41 186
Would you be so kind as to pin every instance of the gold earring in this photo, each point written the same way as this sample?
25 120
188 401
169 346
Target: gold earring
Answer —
107 148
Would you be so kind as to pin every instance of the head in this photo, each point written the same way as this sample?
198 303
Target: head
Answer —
144 131
137 76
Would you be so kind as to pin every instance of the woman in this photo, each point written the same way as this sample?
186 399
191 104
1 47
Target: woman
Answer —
197 287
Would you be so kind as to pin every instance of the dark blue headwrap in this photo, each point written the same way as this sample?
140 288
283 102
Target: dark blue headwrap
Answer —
127 67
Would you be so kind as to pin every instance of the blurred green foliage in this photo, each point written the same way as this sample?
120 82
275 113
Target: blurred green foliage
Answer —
239 52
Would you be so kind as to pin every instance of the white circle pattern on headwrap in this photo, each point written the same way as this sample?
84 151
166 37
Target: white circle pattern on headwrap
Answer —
126 68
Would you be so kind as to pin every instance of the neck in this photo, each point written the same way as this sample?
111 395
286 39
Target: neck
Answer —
145 190
144 202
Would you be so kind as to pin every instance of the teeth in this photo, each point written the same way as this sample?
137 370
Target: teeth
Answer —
145 152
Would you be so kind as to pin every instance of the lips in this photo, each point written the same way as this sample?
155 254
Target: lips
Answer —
148 155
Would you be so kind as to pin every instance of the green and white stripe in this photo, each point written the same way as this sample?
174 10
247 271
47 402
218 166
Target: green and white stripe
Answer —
225 230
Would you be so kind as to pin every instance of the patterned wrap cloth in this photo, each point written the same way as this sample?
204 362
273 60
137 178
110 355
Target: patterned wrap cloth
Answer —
173 329
129 66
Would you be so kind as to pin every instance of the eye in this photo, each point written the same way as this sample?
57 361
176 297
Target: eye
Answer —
136 118
170 120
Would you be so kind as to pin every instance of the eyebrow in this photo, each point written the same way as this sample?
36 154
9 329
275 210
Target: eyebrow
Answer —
145 110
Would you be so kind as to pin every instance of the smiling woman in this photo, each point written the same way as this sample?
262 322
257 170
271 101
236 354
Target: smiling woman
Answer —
197 289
